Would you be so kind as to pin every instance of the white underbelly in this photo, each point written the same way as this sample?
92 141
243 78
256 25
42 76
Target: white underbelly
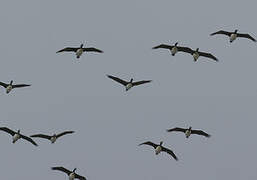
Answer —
174 50
71 176
188 133
8 89
129 86
16 137
79 52
196 56
233 37
158 150
53 139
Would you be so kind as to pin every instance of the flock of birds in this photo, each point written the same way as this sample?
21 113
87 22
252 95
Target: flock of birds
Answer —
16 135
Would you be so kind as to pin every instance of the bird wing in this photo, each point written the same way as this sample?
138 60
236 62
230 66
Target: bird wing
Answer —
177 129
185 49
62 169
7 130
140 82
246 36
41 136
28 139
3 84
68 49
164 46
169 152
92 49
80 177
149 143
118 80
20 85
63 133
208 55
200 132
221 32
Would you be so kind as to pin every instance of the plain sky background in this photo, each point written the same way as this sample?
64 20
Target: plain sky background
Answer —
109 123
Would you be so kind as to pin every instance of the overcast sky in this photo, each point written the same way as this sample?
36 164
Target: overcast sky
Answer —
71 94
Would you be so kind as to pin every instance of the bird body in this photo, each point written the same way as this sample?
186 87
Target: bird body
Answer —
16 137
53 138
174 50
158 150
72 176
196 55
234 35
189 131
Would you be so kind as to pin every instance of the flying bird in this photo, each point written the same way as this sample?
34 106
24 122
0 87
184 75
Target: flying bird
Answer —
234 35
11 86
52 138
196 54
128 84
189 131
72 175
159 148
80 50
173 49
17 135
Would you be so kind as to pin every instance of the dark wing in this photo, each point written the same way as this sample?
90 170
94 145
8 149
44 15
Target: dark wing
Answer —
221 32
140 82
92 49
176 129
185 49
246 36
62 169
80 177
7 130
164 46
41 136
118 80
149 143
20 85
68 49
169 152
3 84
63 133
28 139
208 55
199 132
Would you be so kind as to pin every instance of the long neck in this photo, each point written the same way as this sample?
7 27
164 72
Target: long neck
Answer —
81 46
131 80
11 82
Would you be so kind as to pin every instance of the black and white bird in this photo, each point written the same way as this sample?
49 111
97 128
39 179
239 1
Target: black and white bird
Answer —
128 84
17 135
52 138
196 54
173 49
11 86
72 175
158 148
80 50
234 35
189 131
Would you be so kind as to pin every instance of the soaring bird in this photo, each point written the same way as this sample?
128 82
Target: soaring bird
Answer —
53 137
17 135
233 35
80 50
189 131
11 86
72 175
128 84
196 54
159 148
173 49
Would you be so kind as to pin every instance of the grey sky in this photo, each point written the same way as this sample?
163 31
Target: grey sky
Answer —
71 94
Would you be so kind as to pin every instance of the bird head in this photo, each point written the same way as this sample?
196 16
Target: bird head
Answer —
81 46
236 30
18 131
74 170
190 127
176 43
161 143
197 49
131 80
11 82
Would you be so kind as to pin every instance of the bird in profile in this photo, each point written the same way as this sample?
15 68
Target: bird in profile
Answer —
189 131
52 138
72 175
128 84
234 35
11 86
158 148
173 49
80 50
17 135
